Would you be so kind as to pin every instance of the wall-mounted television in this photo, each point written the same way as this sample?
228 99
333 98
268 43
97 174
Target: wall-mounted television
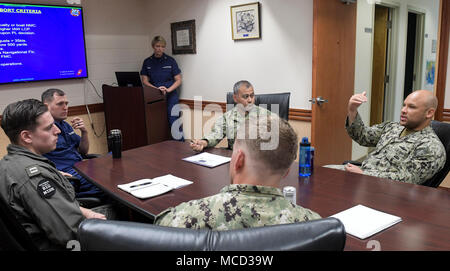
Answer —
41 42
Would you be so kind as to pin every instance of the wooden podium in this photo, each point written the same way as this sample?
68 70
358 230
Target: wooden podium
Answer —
139 112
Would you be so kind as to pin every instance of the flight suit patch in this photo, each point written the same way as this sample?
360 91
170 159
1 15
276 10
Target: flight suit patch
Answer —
46 189
33 171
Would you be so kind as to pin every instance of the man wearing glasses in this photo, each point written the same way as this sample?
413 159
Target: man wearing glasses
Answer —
227 124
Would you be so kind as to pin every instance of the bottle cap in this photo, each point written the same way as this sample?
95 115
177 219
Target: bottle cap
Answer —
305 142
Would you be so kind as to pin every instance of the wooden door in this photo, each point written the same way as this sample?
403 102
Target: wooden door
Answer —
379 64
334 40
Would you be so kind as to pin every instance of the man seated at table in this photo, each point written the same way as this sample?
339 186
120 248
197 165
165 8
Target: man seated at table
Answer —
406 151
227 124
41 199
70 146
253 198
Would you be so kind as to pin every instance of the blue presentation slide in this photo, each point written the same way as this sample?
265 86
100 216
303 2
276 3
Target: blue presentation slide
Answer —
40 42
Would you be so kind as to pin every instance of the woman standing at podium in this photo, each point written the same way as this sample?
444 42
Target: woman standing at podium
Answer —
161 71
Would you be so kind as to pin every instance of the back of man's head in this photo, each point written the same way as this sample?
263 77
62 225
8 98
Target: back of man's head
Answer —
21 115
48 95
270 142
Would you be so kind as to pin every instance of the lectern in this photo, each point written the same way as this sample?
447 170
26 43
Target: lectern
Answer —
139 112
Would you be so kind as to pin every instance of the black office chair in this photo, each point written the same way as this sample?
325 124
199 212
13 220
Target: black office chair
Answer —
322 234
86 202
442 130
281 99
13 236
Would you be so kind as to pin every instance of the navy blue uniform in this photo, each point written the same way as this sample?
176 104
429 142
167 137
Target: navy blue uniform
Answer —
66 155
161 72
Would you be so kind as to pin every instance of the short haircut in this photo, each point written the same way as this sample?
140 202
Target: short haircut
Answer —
257 133
432 102
47 96
238 85
21 115
157 39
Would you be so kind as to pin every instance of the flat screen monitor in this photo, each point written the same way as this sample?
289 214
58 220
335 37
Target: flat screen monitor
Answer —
128 79
41 42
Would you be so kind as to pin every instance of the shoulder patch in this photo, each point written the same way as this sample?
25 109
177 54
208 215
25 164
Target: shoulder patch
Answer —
32 171
46 188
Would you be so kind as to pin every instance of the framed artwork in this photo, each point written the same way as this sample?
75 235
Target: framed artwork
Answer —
430 73
245 21
183 37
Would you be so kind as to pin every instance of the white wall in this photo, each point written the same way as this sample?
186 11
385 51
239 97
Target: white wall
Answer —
118 35
280 61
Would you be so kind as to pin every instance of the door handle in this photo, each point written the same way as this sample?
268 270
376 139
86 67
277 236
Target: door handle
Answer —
319 100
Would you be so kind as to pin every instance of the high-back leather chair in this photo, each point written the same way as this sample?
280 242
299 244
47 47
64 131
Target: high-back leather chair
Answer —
281 99
322 234
12 235
442 130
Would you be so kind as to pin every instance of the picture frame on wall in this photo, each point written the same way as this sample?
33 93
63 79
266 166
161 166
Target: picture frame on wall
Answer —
245 21
183 37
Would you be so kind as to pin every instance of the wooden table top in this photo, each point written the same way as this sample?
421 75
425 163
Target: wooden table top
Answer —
425 211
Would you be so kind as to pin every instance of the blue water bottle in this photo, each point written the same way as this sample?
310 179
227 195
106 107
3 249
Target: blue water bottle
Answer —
304 169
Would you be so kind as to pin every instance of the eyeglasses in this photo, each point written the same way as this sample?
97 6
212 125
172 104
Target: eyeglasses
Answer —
245 96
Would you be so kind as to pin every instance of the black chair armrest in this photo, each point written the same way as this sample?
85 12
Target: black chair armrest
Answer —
356 163
88 202
90 155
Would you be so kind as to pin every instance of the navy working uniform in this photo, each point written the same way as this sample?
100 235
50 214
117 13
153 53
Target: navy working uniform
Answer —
161 72
42 200
413 158
66 155
237 206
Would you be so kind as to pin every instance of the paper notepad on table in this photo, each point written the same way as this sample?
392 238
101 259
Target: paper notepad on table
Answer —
147 188
208 159
363 222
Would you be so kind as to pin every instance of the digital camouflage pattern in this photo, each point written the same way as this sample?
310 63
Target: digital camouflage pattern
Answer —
228 123
236 207
413 158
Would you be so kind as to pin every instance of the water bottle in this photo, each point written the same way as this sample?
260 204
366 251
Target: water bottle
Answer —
304 158
312 159
115 143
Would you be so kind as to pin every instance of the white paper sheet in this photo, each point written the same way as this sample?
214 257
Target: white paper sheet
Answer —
363 222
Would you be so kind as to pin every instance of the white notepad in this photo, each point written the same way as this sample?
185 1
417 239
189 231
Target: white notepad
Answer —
208 159
363 222
147 188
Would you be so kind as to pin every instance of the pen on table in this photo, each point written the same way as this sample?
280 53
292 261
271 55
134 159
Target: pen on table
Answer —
141 184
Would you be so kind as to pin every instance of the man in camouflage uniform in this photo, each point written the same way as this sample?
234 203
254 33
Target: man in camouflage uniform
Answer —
227 124
42 200
408 151
253 199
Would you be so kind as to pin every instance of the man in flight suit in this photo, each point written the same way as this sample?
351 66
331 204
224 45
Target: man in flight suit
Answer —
42 200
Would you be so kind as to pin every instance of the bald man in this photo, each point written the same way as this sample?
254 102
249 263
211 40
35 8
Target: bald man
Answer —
406 151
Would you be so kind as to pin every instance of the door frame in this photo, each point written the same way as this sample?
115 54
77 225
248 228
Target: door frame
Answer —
442 57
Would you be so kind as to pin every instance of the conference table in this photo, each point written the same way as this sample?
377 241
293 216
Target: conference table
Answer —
425 211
